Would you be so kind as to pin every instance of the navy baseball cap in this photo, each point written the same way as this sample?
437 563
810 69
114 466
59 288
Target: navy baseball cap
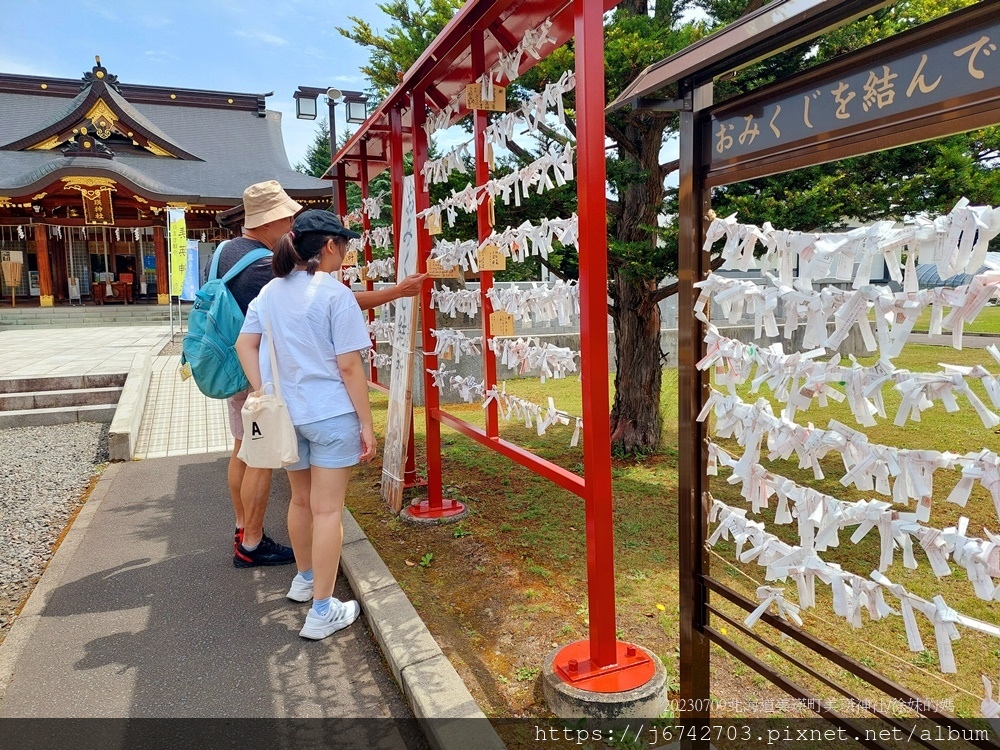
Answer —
315 220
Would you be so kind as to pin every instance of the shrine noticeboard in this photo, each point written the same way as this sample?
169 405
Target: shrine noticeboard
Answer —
404 338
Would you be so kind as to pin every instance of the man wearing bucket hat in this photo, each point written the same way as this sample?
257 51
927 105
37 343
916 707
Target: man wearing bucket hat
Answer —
269 215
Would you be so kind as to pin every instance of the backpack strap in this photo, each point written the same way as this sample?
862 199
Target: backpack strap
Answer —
245 262
213 272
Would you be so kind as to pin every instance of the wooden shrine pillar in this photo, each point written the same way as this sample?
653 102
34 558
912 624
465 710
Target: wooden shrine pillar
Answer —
44 267
160 250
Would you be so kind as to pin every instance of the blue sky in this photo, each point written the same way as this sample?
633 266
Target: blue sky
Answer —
245 46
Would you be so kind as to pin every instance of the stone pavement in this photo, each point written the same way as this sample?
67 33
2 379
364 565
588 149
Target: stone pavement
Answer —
37 353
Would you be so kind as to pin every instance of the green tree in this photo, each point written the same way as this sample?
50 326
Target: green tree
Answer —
392 52
318 153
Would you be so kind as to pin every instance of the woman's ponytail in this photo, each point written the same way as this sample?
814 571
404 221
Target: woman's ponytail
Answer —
284 259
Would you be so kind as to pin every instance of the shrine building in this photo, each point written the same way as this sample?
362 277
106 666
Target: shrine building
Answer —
89 167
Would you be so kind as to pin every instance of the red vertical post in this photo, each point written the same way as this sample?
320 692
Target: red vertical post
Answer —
479 122
418 116
396 175
366 245
342 189
592 207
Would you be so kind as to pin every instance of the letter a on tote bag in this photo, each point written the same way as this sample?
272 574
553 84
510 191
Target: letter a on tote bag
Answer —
213 325
269 440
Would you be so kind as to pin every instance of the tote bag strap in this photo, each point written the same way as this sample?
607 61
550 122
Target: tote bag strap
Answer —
270 346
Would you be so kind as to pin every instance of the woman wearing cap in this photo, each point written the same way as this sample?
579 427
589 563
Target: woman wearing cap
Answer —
319 334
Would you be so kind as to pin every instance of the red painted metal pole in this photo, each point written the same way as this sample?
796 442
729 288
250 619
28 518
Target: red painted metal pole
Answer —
396 175
342 190
592 207
479 123
418 116
366 225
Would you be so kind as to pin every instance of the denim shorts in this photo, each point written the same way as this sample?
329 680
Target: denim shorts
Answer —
333 443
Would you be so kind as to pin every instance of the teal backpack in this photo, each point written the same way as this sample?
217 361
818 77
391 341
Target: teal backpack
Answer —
213 327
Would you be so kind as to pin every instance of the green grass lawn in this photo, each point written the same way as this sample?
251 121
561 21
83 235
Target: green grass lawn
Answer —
988 321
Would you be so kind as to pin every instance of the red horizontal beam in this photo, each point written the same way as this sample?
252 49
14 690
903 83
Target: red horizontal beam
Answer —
378 386
565 479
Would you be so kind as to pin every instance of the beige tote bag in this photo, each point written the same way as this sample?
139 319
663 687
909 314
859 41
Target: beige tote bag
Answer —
269 440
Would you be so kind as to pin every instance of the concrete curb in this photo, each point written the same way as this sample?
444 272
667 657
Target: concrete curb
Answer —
27 620
124 430
428 680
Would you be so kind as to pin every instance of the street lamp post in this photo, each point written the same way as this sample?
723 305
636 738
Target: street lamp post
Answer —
357 111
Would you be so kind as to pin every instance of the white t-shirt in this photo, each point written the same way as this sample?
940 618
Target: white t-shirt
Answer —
313 319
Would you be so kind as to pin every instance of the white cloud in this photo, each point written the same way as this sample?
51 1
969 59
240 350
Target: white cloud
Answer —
159 56
155 22
262 36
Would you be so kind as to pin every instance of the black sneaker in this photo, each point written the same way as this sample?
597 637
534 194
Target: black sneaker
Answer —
268 552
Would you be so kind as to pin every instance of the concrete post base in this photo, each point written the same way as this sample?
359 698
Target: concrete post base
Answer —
417 513
567 702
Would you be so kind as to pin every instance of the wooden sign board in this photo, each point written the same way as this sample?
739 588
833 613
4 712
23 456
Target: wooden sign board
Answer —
474 98
350 258
436 271
489 258
501 324
404 339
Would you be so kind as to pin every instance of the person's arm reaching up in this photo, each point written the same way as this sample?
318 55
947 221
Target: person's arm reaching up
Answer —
408 287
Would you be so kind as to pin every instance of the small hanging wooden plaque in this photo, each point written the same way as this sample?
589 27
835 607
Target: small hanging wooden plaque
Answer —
501 324
489 258
436 271
474 98
350 258
433 224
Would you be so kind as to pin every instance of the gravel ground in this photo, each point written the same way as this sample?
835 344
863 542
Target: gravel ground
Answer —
44 472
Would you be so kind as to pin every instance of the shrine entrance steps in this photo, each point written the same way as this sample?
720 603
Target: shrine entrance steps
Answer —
44 401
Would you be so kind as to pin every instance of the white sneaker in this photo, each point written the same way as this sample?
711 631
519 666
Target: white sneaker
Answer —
340 616
301 590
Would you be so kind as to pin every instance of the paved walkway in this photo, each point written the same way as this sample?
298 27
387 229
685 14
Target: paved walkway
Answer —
141 614
179 420
46 352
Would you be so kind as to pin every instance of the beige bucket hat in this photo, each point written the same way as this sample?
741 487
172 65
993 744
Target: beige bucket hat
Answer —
265 202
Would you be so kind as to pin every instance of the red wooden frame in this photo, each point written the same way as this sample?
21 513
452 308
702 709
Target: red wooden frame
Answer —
458 56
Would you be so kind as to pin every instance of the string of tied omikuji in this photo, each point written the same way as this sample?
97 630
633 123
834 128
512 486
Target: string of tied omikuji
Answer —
539 303
867 466
955 243
508 64
895 313
852 594
453 343
382 329
376 358
798 379
532 113
510 407
821 517
376 237
372 206
516 243
529 355
535 176
372 271
438 170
